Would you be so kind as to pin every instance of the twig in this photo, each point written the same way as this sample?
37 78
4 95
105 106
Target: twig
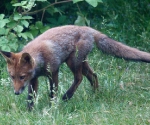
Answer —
43 15
37 11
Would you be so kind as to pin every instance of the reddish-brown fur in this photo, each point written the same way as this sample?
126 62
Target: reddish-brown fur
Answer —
70 44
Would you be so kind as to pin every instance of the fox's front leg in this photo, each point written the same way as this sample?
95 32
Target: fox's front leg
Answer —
32 90
53 79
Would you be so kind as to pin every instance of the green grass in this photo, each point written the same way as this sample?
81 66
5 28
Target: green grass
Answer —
124 97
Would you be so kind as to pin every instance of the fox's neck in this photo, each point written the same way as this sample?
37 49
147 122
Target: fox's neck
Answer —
39 65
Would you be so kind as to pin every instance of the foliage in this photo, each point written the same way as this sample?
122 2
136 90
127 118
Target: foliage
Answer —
11 29
21 25
123 18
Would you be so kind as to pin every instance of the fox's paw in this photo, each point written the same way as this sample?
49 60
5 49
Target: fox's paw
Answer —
67 96
30 106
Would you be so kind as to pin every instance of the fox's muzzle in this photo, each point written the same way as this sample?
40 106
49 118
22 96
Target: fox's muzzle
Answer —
20 91
17 93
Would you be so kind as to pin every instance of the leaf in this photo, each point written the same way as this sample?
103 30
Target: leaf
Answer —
6 20
80 21
9 42
29 5
41 0
3 40
6 48
12 24
14 45
12 36
26 35
2 31
94 3
44 29
4 43
27 17
56 10
2 23
18 28
20 4
22 35
34 32
25 23
2 16
50 10
17 4
100 1
75 1
39 24
17 17
23 2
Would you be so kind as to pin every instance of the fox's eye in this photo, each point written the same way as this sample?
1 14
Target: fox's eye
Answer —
22 77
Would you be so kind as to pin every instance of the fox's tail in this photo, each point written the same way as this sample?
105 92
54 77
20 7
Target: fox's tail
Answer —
118 49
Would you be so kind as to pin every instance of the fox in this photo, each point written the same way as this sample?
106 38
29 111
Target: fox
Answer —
68 44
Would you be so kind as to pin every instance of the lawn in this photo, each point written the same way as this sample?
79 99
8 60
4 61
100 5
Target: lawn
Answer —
123 97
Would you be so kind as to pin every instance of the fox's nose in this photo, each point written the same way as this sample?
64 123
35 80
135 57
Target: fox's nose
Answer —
17 93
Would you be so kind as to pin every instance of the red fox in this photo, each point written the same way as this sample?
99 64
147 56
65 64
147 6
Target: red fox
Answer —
71 44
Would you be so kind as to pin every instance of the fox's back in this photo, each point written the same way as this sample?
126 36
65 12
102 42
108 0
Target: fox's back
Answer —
64 35
60 41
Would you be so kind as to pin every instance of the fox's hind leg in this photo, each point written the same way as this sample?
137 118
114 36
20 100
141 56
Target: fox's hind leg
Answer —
75 62
77 72
92 77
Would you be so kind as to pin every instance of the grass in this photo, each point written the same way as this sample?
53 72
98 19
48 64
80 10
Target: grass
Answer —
124 97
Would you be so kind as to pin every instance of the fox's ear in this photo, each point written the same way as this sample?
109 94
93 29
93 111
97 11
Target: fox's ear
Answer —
7 56
26 58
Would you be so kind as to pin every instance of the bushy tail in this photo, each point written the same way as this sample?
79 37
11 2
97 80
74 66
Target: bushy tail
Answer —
118 49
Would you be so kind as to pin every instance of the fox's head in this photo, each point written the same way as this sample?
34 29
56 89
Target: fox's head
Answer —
20 68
